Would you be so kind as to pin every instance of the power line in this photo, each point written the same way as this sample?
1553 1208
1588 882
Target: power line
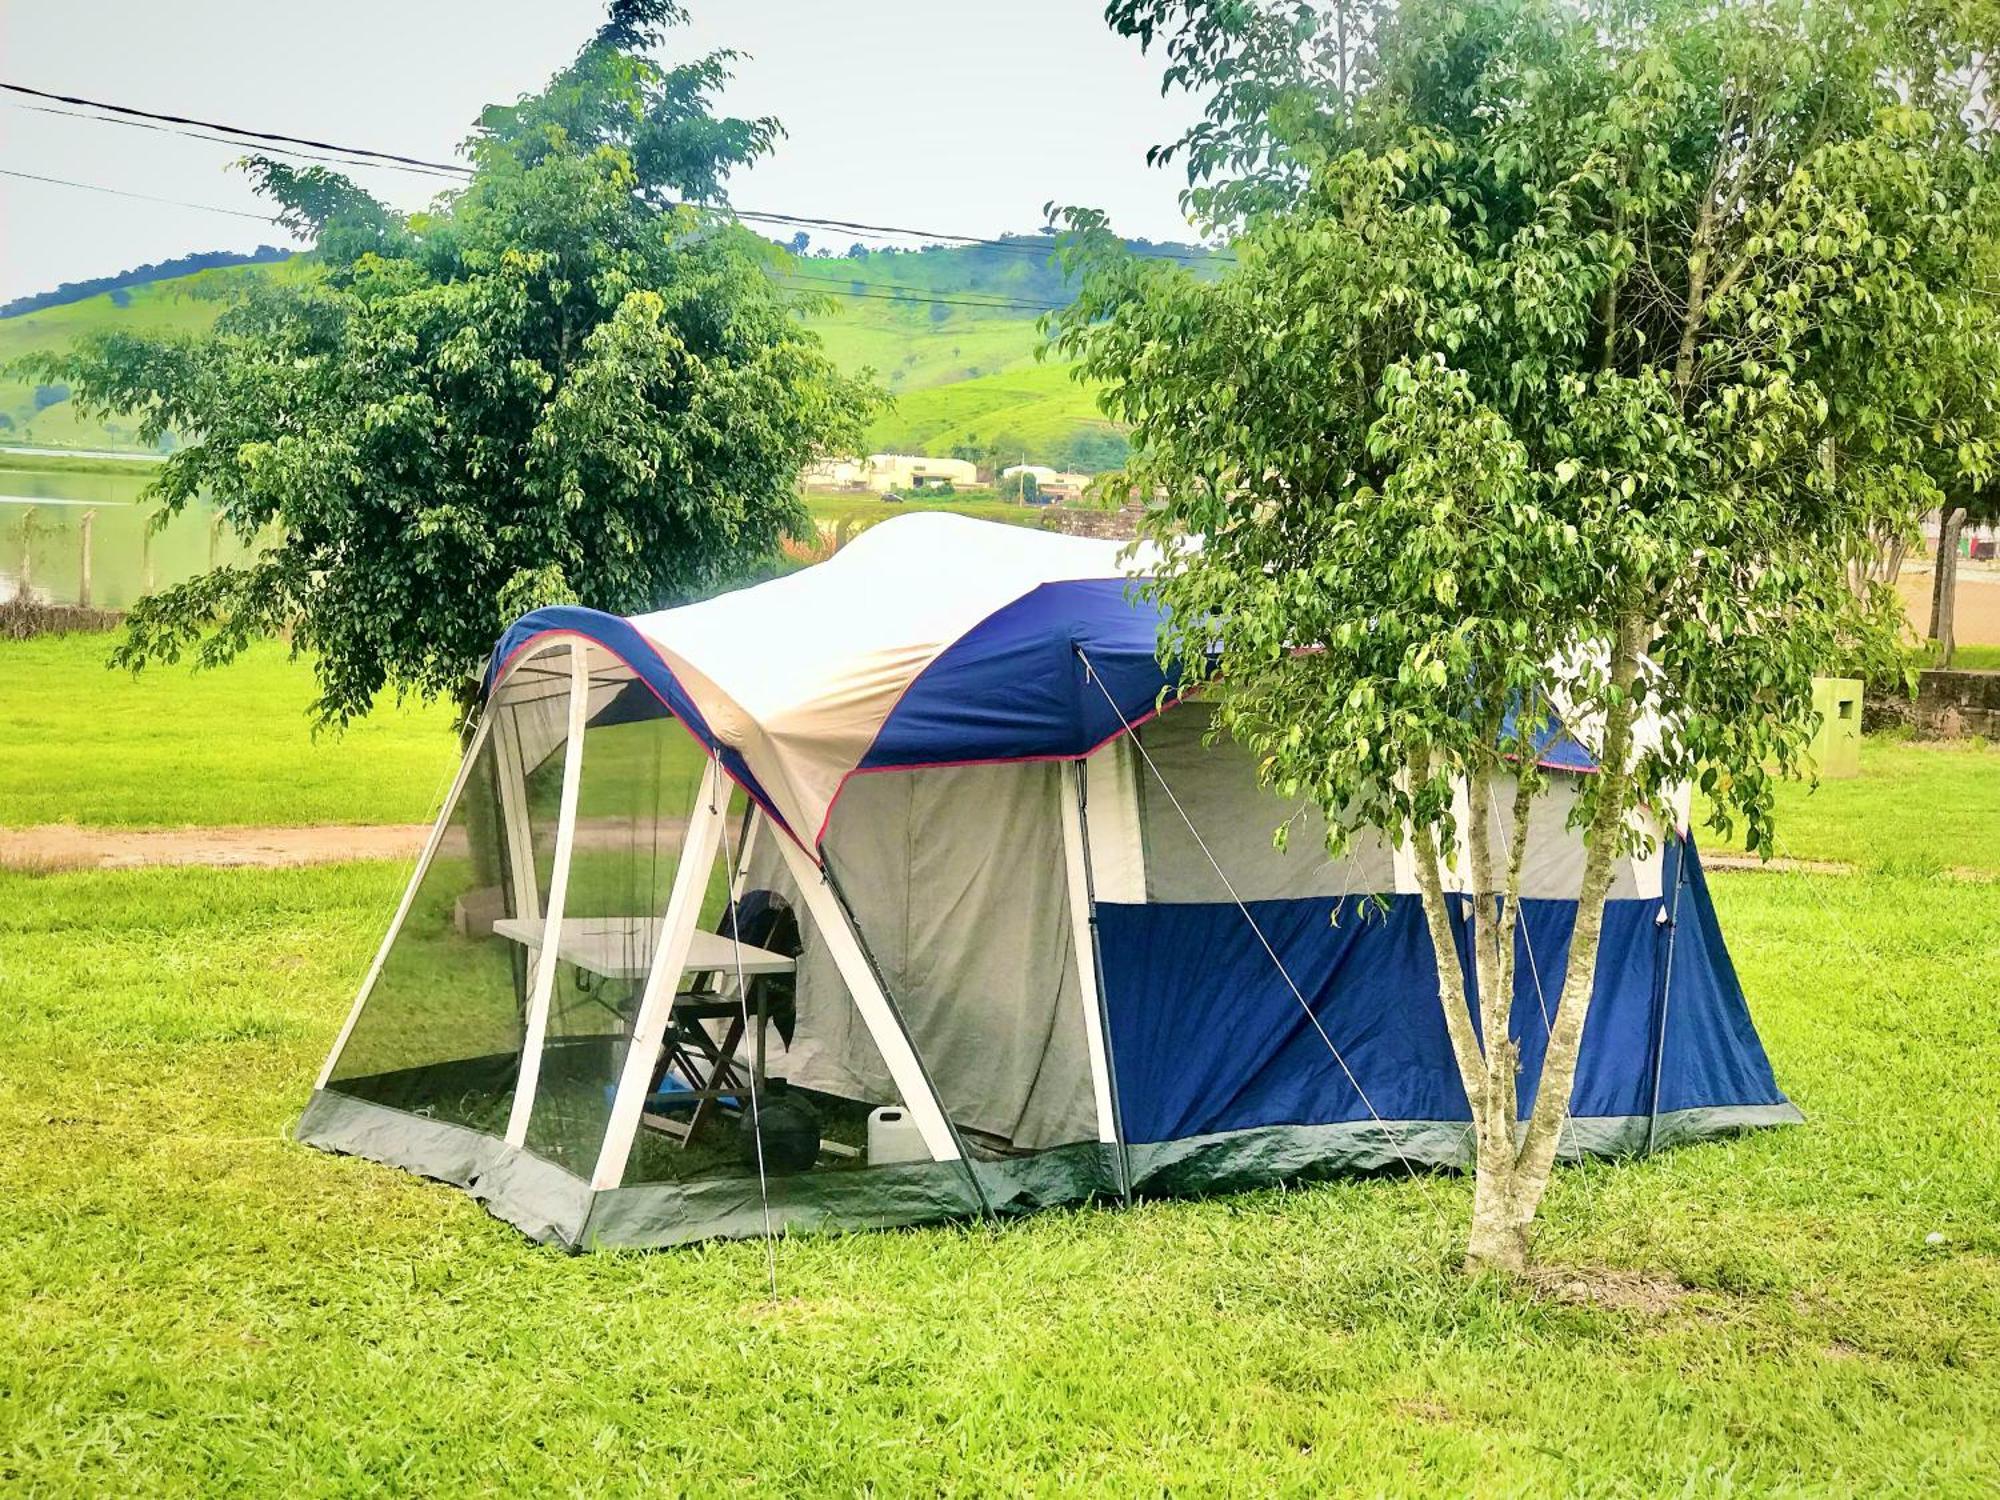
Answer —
92 187
256 135
223 140
1019 246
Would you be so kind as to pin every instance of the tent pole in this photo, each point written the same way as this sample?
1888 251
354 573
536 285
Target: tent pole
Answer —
1090 969
699 847
548 959
465 765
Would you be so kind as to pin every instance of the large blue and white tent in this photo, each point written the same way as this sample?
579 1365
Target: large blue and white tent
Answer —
904 887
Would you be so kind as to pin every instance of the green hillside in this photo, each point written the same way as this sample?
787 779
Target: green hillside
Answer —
44 415
962 374
1037 412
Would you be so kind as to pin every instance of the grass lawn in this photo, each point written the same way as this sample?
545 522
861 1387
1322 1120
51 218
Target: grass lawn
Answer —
85 744
199 1306
1918 807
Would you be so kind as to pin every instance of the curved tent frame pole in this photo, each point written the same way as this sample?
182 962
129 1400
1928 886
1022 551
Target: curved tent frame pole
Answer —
548 959
423 866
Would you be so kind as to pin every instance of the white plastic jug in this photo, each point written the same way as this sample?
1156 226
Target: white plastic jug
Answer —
893 1136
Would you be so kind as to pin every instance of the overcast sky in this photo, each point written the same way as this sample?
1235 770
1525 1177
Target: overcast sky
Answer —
961 115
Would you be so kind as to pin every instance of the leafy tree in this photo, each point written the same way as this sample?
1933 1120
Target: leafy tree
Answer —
574 380
1571 350
1023 487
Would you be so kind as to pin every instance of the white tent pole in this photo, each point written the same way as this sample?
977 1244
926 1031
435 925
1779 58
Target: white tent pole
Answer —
1083 939
430 849
699 847
547 959
844 947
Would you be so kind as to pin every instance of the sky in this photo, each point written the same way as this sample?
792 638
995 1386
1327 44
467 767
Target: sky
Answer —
960 115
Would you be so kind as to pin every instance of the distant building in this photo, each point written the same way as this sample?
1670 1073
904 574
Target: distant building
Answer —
843 473
914 471
1040 473
1063 485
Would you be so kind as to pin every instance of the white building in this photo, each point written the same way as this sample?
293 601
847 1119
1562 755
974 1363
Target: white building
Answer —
913 471
834 473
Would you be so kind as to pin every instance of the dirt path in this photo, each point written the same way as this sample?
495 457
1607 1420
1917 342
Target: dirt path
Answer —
64 846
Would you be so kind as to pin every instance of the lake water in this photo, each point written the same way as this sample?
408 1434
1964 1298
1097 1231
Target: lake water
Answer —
49 518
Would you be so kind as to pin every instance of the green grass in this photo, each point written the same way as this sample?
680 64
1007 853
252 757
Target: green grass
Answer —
1041 407
169 747
1917 806
1976 658
53 461
201 1307
198 1306
832 509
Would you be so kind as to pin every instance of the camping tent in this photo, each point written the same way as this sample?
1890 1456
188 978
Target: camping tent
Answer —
1046 948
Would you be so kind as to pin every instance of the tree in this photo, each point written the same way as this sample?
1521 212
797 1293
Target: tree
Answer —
1569 353
573 380
1022 488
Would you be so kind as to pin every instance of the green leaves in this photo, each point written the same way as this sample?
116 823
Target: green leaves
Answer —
1548 315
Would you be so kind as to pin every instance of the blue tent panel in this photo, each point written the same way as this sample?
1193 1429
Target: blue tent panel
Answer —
1207 1037
1015 688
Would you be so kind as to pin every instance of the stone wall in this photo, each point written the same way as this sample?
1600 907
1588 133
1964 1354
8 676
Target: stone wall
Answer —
1121 524
1951 703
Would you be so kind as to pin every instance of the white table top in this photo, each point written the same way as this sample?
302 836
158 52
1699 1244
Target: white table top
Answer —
622 947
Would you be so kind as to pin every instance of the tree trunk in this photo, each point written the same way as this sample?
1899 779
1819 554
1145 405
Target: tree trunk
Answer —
1944 583
1538 1148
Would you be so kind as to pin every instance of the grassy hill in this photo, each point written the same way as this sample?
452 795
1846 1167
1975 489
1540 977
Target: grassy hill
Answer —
44 415
952 333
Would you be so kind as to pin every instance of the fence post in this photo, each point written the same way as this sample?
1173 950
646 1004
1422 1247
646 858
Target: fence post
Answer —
83 564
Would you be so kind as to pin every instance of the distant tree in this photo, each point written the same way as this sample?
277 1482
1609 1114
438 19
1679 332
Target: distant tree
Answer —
799 242
571 381
857 251
1570 350
120 297
50 395
1022 488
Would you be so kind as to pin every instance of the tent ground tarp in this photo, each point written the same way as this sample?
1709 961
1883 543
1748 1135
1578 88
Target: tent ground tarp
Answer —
552 1207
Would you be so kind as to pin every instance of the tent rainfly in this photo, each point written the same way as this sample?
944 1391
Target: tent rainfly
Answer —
1010 934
